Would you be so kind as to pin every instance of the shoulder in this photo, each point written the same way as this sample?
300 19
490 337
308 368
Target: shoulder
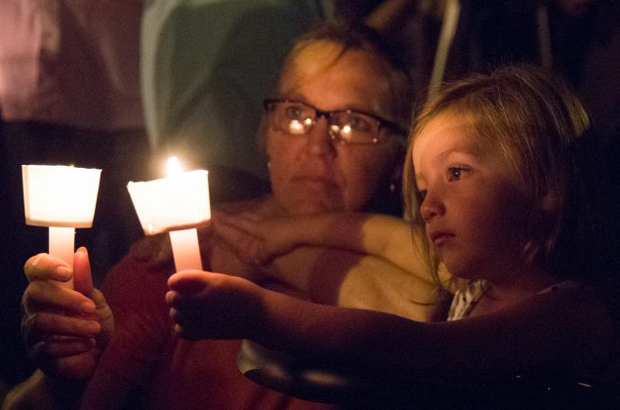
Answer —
571 299
567 328
567 285
577 298
579 321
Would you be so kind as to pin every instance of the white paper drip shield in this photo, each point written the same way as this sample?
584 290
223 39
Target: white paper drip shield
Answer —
173 203
60 196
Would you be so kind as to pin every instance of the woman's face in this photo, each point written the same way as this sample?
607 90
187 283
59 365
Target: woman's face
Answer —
311 173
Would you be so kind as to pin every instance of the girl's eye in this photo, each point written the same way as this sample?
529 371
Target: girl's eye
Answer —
421 194
456 173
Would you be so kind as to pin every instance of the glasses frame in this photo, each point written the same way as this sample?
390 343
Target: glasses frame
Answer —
335 136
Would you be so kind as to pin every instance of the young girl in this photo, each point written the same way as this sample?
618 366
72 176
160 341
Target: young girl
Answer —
489 181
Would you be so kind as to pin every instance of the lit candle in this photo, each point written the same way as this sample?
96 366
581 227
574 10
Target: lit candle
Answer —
177 204
61 198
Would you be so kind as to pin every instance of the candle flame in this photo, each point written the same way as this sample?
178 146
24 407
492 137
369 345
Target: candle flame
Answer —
174 166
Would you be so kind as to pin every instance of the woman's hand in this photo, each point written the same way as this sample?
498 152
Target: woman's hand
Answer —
157 250
154 249
205 305
254 239
64 330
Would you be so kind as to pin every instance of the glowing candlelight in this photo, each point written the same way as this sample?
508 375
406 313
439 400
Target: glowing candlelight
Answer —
61 198
176 204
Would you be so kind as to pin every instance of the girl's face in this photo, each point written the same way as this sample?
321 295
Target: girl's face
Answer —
472 204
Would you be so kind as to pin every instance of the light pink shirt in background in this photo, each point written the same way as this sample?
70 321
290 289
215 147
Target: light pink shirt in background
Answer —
72 62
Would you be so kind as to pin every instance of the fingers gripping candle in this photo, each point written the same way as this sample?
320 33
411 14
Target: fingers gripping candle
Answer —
176 204
62 198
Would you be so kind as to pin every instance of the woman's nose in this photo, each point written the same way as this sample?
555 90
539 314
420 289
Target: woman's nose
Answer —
319 140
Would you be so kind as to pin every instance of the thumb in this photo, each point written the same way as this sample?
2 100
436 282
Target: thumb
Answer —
82 278
189 281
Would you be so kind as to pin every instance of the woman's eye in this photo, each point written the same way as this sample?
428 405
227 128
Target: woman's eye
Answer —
294 112
359 123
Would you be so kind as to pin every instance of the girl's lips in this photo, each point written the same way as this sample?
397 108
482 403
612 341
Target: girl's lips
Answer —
440 237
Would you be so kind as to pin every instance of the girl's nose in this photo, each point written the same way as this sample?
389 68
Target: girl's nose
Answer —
319 141
431 206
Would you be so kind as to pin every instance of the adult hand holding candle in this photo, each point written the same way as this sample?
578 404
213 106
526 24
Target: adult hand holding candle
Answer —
62 198
176 204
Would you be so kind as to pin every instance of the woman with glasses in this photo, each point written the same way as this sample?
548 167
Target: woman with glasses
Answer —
333 133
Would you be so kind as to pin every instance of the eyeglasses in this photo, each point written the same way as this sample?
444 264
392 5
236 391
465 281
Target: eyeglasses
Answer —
345 126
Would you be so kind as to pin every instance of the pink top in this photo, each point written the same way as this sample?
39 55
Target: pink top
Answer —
173 373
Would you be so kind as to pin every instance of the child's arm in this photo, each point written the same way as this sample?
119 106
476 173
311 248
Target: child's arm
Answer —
567 330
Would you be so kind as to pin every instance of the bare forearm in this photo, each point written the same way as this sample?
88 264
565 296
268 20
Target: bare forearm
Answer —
348 279
371 338
335 230
508 342
341 277
378 235
376 284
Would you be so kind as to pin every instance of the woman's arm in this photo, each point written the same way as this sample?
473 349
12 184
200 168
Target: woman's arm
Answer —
350 279
259 239
324 275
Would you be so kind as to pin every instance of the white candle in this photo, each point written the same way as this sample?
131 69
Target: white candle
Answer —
185 249
176 204
61 198
62 243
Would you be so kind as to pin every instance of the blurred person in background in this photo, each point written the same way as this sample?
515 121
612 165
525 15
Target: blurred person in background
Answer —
69 95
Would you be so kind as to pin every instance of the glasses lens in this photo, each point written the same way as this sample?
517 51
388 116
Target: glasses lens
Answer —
292 117
347 126
356 128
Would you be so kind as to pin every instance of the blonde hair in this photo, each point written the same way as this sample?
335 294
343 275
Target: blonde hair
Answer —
354 37
347 37
532 118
